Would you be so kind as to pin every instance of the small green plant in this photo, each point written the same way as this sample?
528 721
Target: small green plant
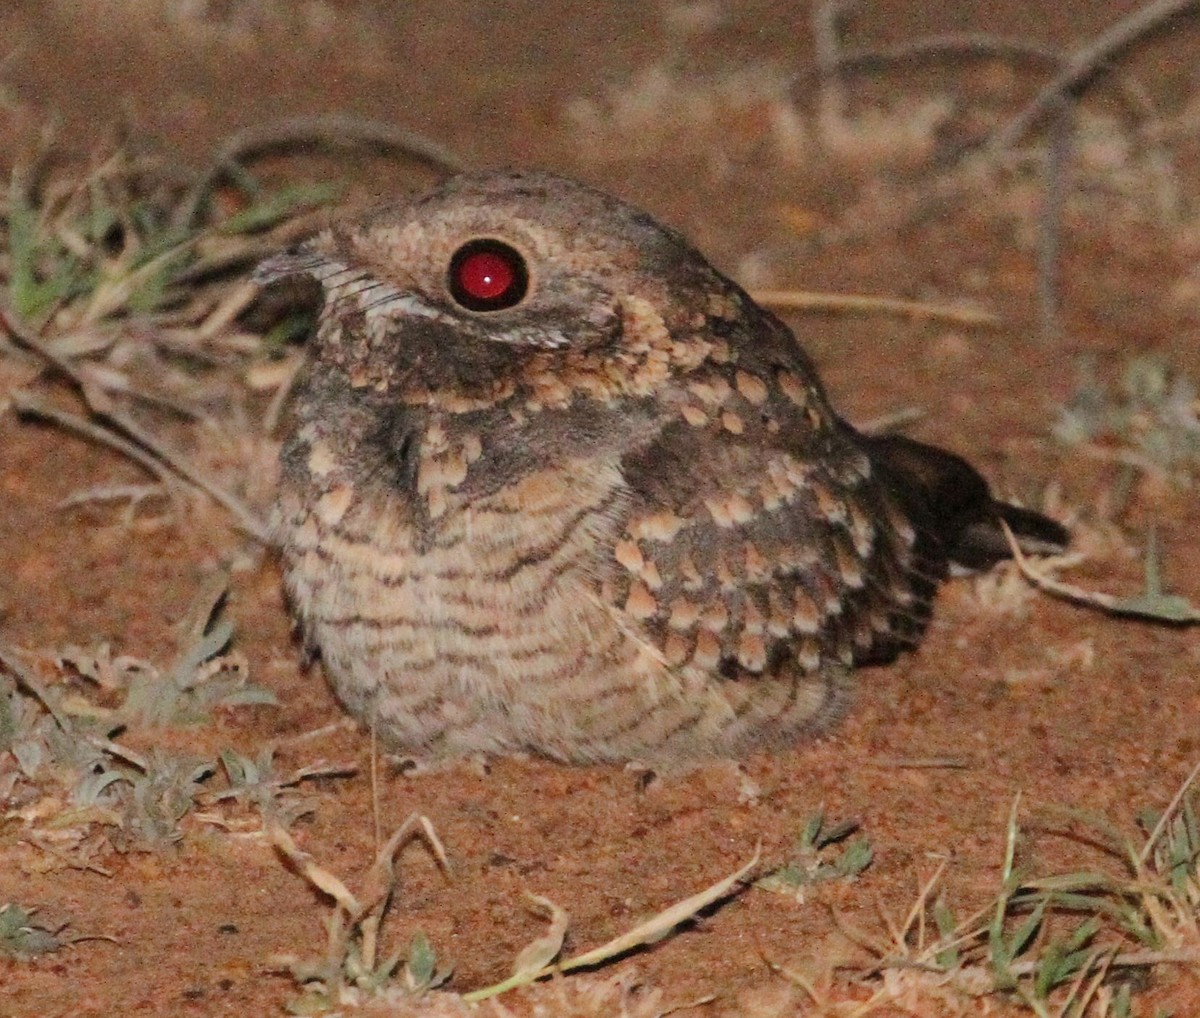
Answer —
129 237
57 735
255 784
823 852
205 675
22 936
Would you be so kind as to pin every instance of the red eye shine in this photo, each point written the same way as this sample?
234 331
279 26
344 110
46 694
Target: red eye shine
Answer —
488 275
485 275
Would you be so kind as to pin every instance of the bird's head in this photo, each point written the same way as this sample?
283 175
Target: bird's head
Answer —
511 284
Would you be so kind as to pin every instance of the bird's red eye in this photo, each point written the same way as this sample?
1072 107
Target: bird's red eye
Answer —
488 275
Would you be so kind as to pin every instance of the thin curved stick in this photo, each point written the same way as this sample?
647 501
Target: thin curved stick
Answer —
328 131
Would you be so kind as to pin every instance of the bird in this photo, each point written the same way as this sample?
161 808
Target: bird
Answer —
552 484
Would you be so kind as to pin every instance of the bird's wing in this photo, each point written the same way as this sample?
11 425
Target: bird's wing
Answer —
761 541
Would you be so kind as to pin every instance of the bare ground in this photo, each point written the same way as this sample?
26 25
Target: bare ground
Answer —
712 127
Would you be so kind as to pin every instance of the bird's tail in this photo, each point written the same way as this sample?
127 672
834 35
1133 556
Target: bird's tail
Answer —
952 507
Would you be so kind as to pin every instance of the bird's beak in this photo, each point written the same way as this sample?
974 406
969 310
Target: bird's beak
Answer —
302 260
351 288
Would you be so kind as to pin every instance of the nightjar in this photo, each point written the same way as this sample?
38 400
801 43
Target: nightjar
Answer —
552 483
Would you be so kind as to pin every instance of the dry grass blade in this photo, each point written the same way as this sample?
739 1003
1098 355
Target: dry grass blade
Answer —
1055 944
896 420
381 878
1060 129
1152 605
539 953
311 870
84 865
1172 807
146 450
918 763
803 300
352 948
649 932
659 926
134 494
23 675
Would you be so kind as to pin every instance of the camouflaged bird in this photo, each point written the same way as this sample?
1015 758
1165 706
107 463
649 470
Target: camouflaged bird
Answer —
554 483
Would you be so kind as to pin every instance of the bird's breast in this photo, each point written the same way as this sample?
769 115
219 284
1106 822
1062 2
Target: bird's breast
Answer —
492 601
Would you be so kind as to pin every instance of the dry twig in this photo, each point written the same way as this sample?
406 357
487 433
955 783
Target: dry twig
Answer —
804 300
953 45
142 447
1083 65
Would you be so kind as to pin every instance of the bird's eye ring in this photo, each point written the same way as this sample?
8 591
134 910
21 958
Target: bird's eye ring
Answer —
487 275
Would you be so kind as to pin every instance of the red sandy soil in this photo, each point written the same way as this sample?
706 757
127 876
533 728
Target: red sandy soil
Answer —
1066 706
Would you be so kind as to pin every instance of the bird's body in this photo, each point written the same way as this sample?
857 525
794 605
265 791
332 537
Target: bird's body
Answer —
553 483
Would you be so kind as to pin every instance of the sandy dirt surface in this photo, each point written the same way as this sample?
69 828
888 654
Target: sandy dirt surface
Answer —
705 114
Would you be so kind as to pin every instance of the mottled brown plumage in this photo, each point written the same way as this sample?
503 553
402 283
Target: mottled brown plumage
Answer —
554 483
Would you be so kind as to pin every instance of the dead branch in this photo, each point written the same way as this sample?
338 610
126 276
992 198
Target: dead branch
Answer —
29 405
1086 63
827 40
